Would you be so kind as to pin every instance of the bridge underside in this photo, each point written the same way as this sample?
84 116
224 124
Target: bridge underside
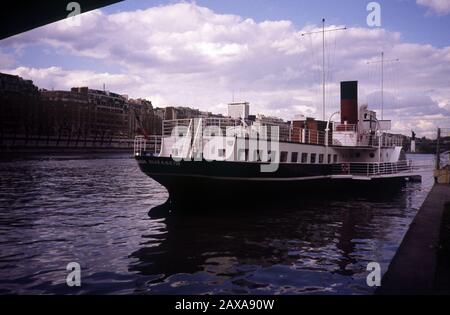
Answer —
18 16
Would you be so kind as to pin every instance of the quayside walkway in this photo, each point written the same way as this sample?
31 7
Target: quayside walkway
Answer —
421 264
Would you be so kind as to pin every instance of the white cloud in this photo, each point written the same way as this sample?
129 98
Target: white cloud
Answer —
187 55
58 78
440 7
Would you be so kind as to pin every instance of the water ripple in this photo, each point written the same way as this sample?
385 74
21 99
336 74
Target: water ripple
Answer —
93 209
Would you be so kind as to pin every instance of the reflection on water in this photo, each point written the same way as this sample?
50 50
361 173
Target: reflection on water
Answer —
94 210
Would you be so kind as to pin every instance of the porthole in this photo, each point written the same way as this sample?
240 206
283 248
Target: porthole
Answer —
372 155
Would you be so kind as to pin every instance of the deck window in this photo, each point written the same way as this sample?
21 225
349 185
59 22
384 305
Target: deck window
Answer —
335 158
304 157
294 157
221 152
329 159
313 158
320 158
283 156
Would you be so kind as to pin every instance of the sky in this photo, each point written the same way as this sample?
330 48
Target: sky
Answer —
206 53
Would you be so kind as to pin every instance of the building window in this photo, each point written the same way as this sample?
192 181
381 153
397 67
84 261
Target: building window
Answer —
313 158
294 157
320 158
304 157
283 156
335 158
329 159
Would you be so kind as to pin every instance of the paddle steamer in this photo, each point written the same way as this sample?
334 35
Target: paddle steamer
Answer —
220 158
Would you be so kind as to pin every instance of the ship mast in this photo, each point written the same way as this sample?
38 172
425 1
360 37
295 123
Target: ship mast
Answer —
323 59
382 61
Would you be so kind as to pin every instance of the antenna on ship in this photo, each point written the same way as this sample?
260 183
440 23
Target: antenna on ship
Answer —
323 31
382 61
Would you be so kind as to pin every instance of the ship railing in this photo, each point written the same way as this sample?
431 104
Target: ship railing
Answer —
372 169
367 140
170 124
347 136
388 140
309 136
297 135
147 145
293 134
345 127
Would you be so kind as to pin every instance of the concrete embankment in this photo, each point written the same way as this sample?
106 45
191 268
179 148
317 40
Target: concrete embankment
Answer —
421 264
63 150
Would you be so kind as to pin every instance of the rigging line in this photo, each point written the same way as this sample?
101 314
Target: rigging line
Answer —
310 61
330 56
329 68
391 88
333 66
394 76
328 77
397 85
329 73
327 64
318 74
314 67
369 81
426 119
334 53
323 31
316 63
310 65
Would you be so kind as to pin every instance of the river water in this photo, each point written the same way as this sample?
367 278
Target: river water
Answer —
94 210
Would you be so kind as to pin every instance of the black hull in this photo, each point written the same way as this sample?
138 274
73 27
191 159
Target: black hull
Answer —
216 184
